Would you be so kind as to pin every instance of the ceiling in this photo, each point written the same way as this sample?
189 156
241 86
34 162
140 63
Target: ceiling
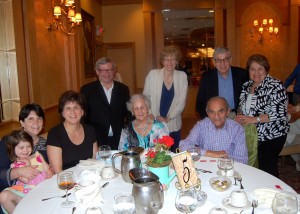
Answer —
193 28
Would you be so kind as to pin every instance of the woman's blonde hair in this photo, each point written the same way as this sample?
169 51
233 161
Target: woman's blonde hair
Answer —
170 51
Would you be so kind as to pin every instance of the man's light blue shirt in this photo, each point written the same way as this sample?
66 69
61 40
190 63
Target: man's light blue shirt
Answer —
226 88
230 138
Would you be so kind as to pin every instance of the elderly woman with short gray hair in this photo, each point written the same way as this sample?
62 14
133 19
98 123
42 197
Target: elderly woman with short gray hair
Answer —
142 130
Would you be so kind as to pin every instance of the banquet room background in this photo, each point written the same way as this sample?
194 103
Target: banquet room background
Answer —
49 63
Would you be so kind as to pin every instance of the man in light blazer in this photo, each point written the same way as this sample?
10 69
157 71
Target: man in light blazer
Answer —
106 104
224 81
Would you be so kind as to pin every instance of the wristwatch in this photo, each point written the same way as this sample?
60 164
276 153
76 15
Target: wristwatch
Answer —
258 119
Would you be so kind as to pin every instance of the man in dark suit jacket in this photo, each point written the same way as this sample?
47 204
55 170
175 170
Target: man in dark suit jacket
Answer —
106 104
216 83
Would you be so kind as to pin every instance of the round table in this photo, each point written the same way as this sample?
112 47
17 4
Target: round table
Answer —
252 178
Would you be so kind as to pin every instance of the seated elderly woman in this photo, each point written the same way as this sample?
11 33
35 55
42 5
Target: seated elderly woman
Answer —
143 130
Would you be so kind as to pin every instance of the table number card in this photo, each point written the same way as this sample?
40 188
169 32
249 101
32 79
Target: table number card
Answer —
185 170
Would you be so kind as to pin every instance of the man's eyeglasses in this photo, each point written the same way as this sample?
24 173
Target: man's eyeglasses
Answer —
110 71
219 61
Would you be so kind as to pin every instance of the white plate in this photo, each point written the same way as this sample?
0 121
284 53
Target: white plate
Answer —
87 164
264 195
234 208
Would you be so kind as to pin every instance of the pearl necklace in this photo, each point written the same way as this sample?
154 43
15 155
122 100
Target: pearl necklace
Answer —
143 129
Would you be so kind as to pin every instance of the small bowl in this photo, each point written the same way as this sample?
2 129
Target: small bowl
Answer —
220 184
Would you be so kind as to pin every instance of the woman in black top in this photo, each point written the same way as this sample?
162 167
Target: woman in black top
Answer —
71 140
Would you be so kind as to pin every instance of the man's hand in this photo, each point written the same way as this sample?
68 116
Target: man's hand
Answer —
215 154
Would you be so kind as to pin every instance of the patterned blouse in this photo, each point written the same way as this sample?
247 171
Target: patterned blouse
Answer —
130 138
270 98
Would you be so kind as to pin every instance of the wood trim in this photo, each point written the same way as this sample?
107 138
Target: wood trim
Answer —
298 34
125 45
119 2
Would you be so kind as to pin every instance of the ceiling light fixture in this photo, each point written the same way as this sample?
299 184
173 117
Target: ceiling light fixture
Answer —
65 18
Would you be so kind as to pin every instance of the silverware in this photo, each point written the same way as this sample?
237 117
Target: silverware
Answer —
104 185
203 170
56 197
254 205
235 178
239 178
73 210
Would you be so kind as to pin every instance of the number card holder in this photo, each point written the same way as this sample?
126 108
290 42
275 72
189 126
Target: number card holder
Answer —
185 170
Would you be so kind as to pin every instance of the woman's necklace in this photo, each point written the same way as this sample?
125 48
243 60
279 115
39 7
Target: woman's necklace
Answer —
143 129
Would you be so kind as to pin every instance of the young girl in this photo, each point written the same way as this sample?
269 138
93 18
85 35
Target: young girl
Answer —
19 146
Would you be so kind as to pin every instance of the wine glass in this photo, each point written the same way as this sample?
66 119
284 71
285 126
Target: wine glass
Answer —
186 201
65 181
104 152
284 203
225 164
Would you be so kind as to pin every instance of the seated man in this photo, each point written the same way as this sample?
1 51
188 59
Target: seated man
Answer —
217 135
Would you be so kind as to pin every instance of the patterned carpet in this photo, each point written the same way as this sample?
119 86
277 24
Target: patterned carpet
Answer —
288 173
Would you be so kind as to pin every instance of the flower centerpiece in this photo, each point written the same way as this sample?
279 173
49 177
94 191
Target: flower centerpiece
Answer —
159 155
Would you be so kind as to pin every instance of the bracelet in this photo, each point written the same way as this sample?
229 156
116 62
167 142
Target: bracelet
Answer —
258 119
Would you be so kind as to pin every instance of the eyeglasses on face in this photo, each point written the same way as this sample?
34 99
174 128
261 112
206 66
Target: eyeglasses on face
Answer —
170 60
219 61
110 70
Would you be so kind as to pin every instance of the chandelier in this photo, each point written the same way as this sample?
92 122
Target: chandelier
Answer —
66 18
265 27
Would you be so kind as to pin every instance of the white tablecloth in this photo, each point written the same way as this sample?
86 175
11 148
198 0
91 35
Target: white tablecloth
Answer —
252 178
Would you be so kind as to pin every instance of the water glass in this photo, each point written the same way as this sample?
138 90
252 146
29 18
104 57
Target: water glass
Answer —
195 153
225 164
124 204
186 201
285 203
104 152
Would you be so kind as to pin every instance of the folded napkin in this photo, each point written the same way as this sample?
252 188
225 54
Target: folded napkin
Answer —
92 164
89 194
92 175
265 196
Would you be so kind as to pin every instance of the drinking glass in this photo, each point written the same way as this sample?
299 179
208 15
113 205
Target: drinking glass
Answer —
186 201
195 153
225 164
284 203
124 204
104 152
65 181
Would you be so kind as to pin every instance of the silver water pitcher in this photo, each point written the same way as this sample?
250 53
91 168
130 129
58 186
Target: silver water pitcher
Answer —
130 159
147 191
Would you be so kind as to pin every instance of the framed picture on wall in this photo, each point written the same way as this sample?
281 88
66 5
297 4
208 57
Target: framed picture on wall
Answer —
89 43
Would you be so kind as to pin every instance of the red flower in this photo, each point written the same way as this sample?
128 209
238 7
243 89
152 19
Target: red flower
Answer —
151 154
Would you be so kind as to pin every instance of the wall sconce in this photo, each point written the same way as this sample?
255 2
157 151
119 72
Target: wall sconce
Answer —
265 26
65 18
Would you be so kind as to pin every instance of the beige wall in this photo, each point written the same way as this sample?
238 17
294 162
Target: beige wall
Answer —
125 23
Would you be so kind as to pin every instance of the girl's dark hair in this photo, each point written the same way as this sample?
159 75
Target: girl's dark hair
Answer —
25 111
259 59
70 96
14 139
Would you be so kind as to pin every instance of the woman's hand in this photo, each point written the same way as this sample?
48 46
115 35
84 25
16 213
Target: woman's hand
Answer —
50 172
162 119
243 119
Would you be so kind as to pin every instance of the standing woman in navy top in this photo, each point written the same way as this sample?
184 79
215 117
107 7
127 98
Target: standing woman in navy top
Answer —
167 88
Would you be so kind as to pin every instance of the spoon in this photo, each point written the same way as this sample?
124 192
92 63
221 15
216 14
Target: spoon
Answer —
239 178
254 205
56 197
